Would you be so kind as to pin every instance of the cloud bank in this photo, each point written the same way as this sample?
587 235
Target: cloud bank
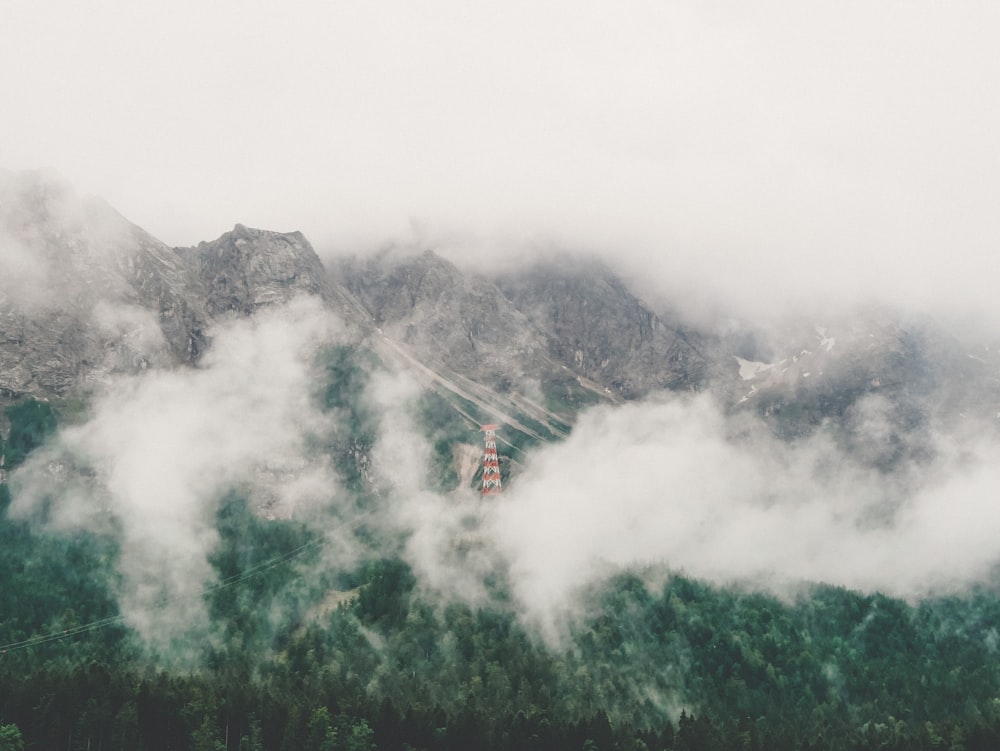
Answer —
161 450
671 483
752 156
674 482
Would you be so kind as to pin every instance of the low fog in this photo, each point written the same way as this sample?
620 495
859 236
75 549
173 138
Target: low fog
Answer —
158 452
668 484
732 161
671 481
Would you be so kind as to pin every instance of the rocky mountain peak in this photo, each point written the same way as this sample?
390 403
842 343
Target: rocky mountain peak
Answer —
247 268
85 293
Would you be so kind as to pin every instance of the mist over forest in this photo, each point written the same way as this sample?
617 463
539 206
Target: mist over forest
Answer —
242 505
722 275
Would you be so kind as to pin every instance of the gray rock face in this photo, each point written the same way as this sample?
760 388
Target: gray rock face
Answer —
247 269
884 385
159 279
84 292
559 326
597 328
43 356
449 320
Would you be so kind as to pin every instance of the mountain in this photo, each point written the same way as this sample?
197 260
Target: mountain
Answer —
87 293
595 326
247 269
267 539
884 383
449 321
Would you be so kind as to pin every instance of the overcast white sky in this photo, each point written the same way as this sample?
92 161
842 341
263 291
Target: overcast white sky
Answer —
774 148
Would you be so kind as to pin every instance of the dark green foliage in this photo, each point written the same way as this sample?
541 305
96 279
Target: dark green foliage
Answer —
31 422
347 371
10 738
384 598
52 583
262 597
683 666
445 427
837 670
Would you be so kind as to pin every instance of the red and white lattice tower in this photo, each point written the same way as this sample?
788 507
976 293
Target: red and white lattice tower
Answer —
491 466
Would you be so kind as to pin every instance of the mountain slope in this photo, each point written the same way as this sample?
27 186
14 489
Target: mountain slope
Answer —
247 269
447 319
595 326
85 291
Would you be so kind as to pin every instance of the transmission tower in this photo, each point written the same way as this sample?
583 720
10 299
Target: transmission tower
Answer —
491 466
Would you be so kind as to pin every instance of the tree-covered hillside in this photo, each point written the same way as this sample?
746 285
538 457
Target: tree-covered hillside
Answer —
299 653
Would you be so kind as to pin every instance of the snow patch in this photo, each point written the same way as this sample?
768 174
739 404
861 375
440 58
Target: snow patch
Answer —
824 340
750 369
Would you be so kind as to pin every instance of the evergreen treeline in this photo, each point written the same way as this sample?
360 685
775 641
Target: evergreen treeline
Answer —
362 659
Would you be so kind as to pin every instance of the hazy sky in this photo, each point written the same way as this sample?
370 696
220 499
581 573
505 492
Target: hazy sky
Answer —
778 148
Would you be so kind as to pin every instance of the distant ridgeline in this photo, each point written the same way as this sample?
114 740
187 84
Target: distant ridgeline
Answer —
301 656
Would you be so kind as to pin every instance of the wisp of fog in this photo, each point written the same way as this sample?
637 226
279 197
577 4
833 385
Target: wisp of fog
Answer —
671 483
161 450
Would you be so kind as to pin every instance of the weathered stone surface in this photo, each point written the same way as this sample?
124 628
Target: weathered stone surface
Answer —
449 320
246 269
84 292
600 330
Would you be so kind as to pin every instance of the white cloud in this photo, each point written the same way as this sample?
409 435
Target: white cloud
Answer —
667 482
438 530
165 446
664 483
763 155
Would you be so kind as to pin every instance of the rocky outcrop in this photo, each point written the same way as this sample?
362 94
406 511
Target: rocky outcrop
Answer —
84 292
246 269
560 325
882 383
160 280
600 330
449 320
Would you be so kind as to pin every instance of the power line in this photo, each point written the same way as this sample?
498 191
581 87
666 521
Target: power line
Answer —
230 581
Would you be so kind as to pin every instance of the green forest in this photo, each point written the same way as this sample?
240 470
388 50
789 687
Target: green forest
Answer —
681 666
